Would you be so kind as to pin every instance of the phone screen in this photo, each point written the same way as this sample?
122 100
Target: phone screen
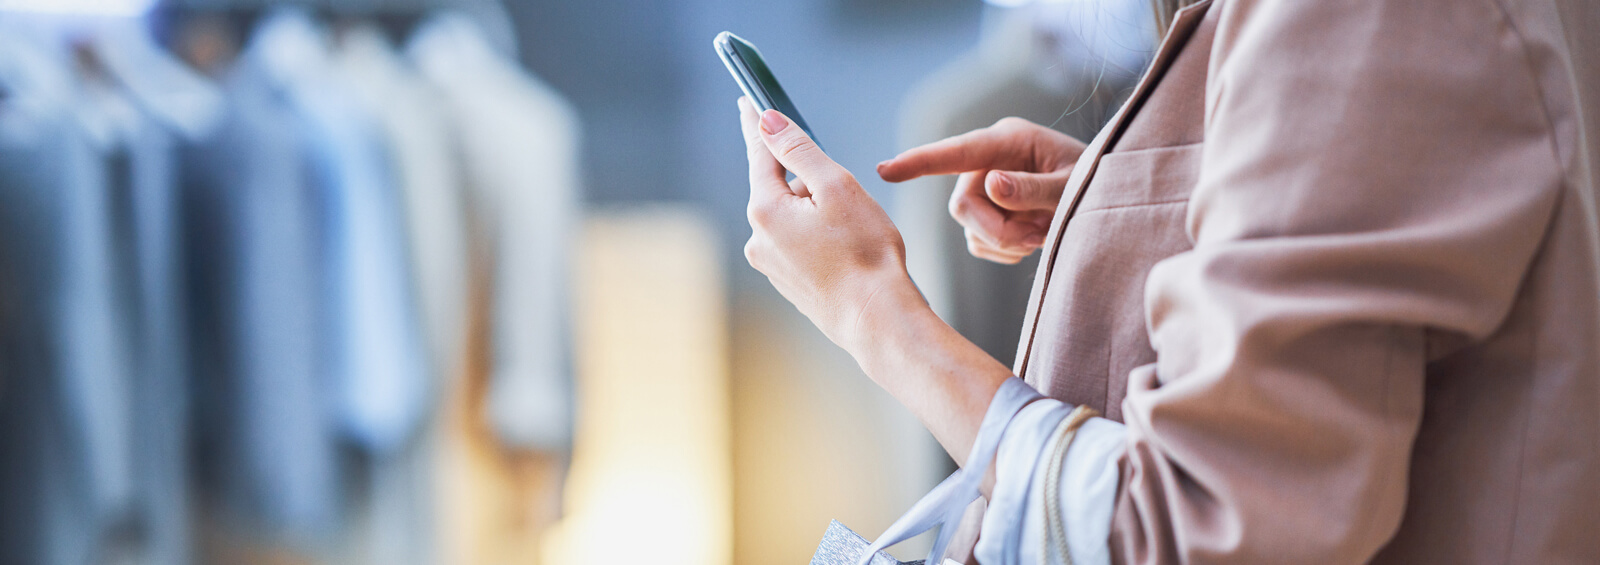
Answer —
750 70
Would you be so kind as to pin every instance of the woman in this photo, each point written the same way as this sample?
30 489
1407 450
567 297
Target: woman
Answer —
1332 277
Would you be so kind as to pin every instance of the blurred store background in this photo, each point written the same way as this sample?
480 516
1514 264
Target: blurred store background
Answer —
460 282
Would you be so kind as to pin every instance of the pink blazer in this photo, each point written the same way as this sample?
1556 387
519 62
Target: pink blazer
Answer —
1337 267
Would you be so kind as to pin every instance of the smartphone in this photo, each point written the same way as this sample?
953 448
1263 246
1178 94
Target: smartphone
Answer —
755 78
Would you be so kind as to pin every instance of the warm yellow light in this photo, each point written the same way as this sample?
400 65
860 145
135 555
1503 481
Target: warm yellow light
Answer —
651 478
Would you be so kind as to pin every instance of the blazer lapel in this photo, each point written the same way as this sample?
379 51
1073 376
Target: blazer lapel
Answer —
1183 26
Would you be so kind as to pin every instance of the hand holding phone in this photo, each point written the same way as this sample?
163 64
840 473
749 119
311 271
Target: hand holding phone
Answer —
755 78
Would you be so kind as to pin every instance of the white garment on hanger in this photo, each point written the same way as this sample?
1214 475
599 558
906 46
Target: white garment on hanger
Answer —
415 126
519 143
401 527
378 360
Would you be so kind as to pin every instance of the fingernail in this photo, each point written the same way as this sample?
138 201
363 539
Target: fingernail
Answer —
1003 186
773 122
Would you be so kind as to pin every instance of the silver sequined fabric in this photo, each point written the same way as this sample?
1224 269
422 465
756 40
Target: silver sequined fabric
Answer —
842 546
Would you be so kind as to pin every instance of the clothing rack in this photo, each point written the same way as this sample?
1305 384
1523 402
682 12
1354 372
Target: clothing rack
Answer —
330 8
398 18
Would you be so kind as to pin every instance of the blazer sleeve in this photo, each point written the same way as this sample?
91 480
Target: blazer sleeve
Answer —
1375 183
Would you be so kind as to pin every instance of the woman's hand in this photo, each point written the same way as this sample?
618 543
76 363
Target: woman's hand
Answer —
832 251
1012 175
823 241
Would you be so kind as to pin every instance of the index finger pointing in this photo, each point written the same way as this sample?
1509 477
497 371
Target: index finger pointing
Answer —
1000 146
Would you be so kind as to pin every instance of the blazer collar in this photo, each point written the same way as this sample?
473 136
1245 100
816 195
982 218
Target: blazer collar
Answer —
1183 26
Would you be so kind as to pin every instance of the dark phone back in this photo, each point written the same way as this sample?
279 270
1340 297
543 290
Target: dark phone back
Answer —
746 54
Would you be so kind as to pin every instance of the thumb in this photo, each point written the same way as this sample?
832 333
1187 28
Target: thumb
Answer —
1021 191
798 153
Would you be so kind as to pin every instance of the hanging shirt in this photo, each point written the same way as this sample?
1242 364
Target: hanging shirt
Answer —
254 227
377 357
101 433
152 101
414 129
65 455
401 526
519 144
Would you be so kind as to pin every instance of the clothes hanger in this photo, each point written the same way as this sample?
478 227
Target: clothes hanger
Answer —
113 49
162 84
399 19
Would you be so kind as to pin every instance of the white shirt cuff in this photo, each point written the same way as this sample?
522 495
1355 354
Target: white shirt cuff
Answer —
1014 525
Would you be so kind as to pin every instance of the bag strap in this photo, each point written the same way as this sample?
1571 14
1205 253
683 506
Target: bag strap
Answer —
946 503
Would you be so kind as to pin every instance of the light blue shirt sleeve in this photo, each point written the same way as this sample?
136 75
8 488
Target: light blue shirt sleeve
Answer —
1015 437
1014 522
1006 520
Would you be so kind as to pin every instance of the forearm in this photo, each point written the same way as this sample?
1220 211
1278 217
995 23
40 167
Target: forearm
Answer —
944 379
953 386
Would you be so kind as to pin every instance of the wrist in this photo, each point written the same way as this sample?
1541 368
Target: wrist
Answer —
904 347
890 310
